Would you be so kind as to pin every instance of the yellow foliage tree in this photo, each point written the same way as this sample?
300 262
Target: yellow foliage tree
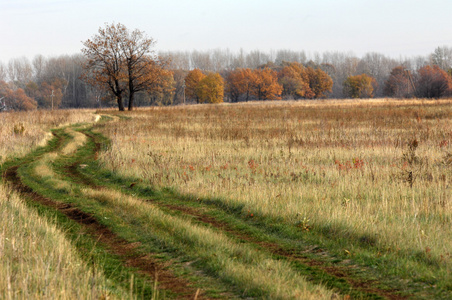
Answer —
191 83
359 86
211 89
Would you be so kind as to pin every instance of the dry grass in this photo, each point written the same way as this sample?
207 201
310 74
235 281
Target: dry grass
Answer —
236 262
344 165
78 140
22 131
37 262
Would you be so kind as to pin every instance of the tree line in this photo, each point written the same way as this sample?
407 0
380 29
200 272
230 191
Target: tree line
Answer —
122 68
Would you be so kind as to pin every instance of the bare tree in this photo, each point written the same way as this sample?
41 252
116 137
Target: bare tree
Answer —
39 64
238 61
2 104
20 70
3 72
442 57
105 61
122 61
379 67
220 60
256 58
201 60
177 60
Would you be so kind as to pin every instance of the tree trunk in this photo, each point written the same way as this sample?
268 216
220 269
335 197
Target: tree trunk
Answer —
131 97
120 103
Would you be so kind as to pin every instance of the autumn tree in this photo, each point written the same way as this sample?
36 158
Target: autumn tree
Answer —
295 81
122 62
191 83
16 99
265 85
211 89
399 83
145 71
105 62
162 93
319 82
304 82
50 94
239 84
359 86
433 82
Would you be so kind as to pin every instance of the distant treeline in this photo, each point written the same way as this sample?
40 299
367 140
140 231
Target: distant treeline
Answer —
56 81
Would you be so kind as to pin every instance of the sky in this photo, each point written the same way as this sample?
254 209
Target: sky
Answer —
396 28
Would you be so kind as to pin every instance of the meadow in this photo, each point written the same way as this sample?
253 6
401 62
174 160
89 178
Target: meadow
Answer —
371 172
278 200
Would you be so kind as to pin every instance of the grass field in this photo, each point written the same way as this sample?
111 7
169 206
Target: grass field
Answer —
37 261
308 200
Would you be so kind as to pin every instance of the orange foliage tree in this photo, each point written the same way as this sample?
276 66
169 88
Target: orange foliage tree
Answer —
211 89
320 82
16 99
433 82
301 82
359 86
191 82
265 85
294 81
239 84
145 71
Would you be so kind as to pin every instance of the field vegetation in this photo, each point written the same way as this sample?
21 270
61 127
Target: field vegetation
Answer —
369 179
37 260
278 200
22 131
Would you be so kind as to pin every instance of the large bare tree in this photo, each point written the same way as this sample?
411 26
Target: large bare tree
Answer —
105 61
122 62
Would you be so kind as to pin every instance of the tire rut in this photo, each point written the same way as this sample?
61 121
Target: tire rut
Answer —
274 248
144 263
291 255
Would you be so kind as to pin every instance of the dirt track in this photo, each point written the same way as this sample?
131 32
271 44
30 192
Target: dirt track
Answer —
157 270
126 251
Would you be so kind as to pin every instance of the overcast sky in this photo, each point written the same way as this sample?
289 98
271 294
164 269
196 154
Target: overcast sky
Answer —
392 27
